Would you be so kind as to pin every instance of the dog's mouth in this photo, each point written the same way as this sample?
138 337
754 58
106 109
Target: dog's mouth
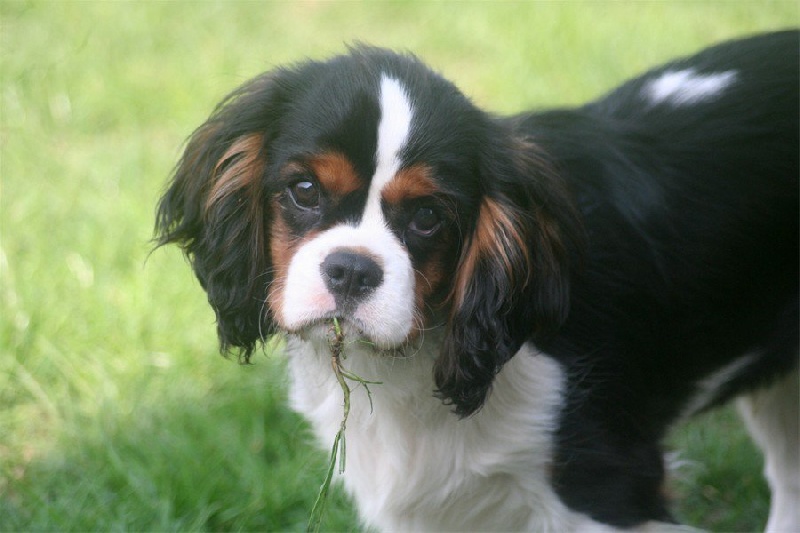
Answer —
327 326
353 333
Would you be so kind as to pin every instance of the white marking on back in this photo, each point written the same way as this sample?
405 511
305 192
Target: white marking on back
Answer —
393 131
687 86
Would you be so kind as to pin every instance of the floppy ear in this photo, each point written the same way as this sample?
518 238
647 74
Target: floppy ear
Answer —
512 281
215 209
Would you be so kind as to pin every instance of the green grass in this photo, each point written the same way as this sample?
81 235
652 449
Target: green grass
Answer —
116 413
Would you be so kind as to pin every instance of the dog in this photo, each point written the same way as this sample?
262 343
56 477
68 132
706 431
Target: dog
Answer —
540 296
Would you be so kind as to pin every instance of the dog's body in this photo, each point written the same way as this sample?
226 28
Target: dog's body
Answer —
569 282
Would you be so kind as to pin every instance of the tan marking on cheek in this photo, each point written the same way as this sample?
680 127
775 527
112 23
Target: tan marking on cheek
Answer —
427 279
281 251
415 181
430 279
335 173
283 248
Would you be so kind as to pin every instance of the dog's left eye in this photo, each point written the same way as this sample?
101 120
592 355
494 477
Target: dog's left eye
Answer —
305 193
425 222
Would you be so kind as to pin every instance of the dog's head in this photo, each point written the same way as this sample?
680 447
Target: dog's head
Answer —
370 189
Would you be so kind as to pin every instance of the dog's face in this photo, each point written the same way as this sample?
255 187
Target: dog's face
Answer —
364 211
370 189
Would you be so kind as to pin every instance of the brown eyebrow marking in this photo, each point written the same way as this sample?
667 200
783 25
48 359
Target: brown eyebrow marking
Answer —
415 181
335 173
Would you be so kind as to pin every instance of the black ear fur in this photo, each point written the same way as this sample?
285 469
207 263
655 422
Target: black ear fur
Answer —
513 276
215 209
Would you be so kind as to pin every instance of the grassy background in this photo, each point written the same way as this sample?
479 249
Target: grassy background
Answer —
116 413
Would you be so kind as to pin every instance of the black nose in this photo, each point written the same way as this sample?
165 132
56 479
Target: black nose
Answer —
350 276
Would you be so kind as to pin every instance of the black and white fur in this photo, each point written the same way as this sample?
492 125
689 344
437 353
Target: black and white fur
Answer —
542 298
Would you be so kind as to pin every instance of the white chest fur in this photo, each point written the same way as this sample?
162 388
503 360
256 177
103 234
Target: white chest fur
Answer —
413 465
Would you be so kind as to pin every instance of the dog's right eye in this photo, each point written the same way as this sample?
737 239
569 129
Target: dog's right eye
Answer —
425 222
305 193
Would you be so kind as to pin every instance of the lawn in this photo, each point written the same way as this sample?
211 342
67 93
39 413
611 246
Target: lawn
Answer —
116 411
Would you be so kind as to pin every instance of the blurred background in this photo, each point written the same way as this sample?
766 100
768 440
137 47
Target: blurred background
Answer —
116 410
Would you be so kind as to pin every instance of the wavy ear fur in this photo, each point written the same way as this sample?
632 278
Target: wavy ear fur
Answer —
513 276
215 209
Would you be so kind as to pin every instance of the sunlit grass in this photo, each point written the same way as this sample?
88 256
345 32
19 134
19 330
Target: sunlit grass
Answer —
115 410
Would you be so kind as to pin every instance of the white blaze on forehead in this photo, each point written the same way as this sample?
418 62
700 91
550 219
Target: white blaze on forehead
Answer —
687 86
386 316
393 131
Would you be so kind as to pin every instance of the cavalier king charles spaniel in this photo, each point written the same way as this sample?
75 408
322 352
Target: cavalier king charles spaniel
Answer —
541 295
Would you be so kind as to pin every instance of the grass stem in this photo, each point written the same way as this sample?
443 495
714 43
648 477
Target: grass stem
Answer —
339 449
